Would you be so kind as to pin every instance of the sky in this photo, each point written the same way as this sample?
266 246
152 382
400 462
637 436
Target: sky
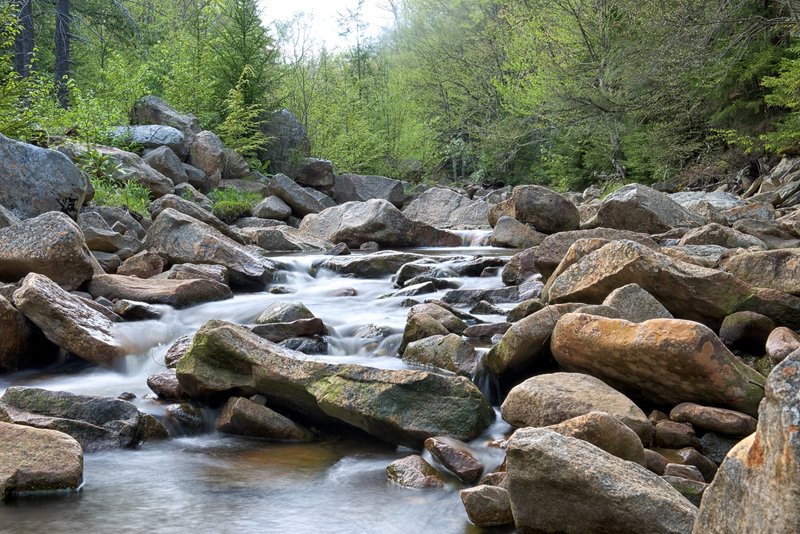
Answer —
322 17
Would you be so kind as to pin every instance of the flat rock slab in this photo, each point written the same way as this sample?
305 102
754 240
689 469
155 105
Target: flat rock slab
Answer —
176 293
247 418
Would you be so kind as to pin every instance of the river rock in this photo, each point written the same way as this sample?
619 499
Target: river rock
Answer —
164 160
278 332
747 331
165 385
246 418
604 431
689 472
284 239
153 136
153 110
638 208
547 211
510 233
97 423
487 506
175 293
758 484
194 211
375 265
145 264
129 166
716 234
272 208
705 465
720 420
666 361
414 472
526 341
456 457
781 342
562 484
177 350
132 310
441 314
671 435
191 271
554 398
33 459
773 269
402 407
444 208
183 239
284 312
355 223
357 188
450 352
67 321
636 305
717 447
655 462
301 201
50 244
36 180
22 344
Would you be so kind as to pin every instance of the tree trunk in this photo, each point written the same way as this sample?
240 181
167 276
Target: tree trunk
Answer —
23 42
63 20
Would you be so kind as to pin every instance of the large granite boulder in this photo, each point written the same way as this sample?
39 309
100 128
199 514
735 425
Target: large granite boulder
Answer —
33 460
357 188
666 361
50 244
97 423
511 233
772 269
403 407
289 143
606 432
757 487
563 484
194 211
547 211
284 239
444 208
551 399
207 153
183 239
639 208
354 223
153 110
176 293
164 160
716 234
153 136
129 166
296 197
36 180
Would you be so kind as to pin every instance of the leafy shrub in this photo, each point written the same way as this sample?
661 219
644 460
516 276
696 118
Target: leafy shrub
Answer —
109 191
232 204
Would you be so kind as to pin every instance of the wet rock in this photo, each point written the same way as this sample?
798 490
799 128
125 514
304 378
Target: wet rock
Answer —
746 330
33 459
278 332
50 244
153 110
246 418
456 457
487 506
153 136
689 472
375 265
176 350
510 233
184 419
486 308
672 435
195 212
307 345
284 312
354 187
444 208
554 398
145 264
442 315
165 385
272 208
606 432
34 181
176 293
131 310
183 239
781 342
414 472
191 271
666 361
354 223
284 239
471 297
487 331
402 407
97 423
639 208
449 352
526 341
67 321
561 484
636 305
420 326
547 211
22 344
340 249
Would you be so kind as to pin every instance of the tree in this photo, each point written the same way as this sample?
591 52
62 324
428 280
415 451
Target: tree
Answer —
62 38
24 39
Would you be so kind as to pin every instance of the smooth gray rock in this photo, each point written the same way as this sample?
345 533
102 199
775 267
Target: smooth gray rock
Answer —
547 211
164 160
153 110
636 305
301 201
357 188
444 208
153 136
638 208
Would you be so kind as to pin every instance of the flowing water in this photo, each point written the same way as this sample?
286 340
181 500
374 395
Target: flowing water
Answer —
217 484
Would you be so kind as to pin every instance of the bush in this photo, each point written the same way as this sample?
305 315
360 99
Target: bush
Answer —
232 204
101 170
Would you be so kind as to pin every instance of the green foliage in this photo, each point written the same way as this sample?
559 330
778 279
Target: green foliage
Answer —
242 128
784 92
232 204
108 190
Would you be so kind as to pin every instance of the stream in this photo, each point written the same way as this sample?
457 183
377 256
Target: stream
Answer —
215 483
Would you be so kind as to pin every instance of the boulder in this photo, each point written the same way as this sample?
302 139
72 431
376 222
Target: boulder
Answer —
402 407
716 234
456 457
247 418
22 344
672 435
758 484
50 244
289 143
719 420
145 264
511 233
638 208
772 269
606 432
554 398
165 385
7 218
122 219
100 237
97 423
665 361
36 180
301 201
278 332
153 136
164 160
315 172
636 305
547 211
487 506
414 472
355 223
236 168
67 321
357 188
191 271
375 265
689 472
781 342
705 465
33 460
562 484
272 208
450 352
175 293
444 208
717 199
284 312
284 239
176 351
132 310
183 239
153 110
747 331
441 315
194 211
207 153
129 166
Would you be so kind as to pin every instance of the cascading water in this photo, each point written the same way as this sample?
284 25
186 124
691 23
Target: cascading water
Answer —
218 483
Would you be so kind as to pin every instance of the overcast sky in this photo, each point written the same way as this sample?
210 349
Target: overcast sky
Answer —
322 17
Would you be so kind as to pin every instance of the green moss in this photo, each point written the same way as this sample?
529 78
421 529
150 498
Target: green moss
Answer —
232 204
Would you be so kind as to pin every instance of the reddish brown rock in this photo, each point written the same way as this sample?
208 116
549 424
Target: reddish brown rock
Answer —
456 457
